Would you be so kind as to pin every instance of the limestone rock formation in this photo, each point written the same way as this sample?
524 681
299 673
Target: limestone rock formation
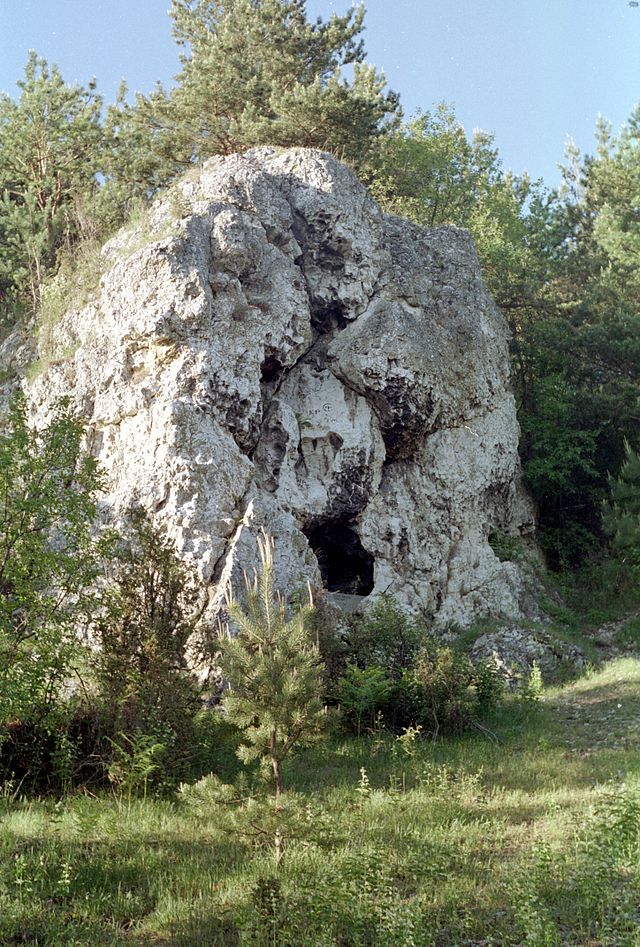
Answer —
269 349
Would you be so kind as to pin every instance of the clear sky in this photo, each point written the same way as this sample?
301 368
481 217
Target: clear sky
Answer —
530 71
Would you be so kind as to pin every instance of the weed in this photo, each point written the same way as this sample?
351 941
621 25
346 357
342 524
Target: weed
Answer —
507 548
531 688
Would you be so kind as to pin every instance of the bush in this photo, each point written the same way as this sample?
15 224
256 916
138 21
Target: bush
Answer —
393 671
48 559
446 691
363 695
384 637
150 612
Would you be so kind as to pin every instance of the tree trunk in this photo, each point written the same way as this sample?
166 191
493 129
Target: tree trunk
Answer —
277 775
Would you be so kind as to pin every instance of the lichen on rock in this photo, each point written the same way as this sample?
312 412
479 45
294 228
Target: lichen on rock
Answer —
282 354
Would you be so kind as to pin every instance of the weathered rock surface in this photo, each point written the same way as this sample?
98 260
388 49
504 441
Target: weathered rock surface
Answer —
514 650
269 349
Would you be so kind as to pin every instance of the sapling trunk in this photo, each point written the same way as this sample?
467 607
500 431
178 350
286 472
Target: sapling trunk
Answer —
277 775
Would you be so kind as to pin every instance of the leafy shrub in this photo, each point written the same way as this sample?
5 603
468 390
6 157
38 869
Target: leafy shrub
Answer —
394 671
363 694
384 637
532 685
48 559
446 691
150 612
137 761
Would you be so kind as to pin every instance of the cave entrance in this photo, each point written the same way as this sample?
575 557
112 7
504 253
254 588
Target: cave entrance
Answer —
345 564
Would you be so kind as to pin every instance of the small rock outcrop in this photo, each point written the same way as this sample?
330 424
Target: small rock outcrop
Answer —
269 349
514 650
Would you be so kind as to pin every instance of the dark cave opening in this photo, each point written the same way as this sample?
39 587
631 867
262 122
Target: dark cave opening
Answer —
345 564
270 369
328 316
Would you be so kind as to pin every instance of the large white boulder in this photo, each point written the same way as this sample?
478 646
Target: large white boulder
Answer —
269 349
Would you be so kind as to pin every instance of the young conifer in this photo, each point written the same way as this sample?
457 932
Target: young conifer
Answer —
274 676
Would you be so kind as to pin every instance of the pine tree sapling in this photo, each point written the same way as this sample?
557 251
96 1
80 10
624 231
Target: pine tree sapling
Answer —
274 675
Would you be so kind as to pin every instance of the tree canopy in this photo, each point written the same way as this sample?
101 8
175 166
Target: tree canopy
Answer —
51 148
255 72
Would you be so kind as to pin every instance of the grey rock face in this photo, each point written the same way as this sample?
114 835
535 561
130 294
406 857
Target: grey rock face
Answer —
514 650
272 350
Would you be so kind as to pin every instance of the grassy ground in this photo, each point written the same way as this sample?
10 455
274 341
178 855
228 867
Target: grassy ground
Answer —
533 840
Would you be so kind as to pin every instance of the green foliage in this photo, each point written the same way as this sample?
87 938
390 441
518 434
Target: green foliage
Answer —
150 609
591 889
430 172
622 515
252 73
447 692
394 673
273 671
362 694
615 178
532 686
247 814
385 637
136 760
506 547
579 353
51 146
457 841
48 559
603 589
628 635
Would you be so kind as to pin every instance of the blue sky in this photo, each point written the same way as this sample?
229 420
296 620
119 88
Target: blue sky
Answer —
530 71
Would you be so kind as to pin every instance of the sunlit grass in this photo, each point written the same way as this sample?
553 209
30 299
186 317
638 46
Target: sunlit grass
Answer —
455 842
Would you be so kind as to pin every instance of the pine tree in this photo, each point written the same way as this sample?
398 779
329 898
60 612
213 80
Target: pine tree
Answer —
615 182
51 147
254 72
622 514
274 675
